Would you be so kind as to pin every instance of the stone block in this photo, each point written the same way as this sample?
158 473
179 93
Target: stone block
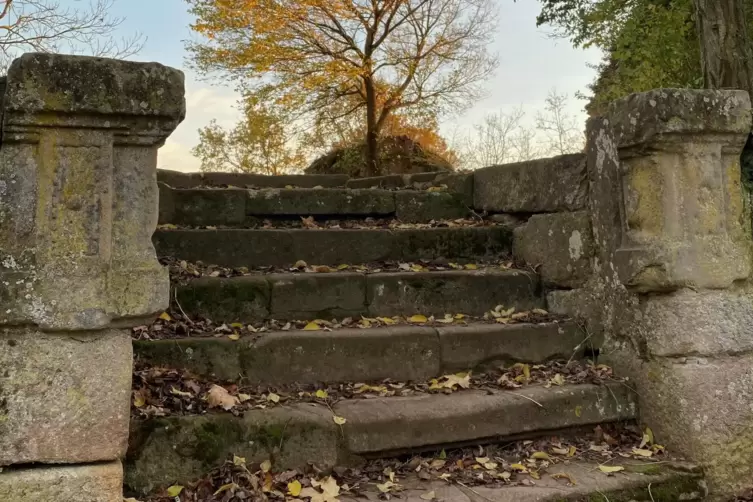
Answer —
229 247
422 207
209 207
698 323
64 397
80 483
249 180
458 184
331 201
559 245
234 299
398 424
406 353
537 186
440 293
178 179
181 449
467 347
452 243
317 296
388 181
699 409
216 357
347 246
166 204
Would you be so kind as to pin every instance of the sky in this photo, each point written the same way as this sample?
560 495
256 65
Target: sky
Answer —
532 63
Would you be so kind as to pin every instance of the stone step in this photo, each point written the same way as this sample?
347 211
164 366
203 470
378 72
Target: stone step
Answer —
350 294
284 247
181 448
239 207
177 179
399 353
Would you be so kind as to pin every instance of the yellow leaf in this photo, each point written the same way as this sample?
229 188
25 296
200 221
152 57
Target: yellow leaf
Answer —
294 488
558 379
234 336
300 264
243 397
312 326
519 467
471 266
273 397
534 475
386 320
608 469
239 460
642 453
428 495
138 399
236 325
418 318
540 312
177 392
338 420
578 411
572 451
166 317
460 316
386 486
224 488
266 466
560 451
174 490
343 266
540 455
648 438
321 394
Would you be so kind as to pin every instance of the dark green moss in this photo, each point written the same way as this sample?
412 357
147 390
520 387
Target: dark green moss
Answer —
215 438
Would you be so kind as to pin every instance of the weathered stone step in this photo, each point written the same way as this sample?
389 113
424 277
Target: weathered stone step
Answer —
348 294
181 448
399 353
177 179
254 248
236 206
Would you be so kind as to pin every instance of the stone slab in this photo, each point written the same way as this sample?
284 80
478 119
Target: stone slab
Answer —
80 483
413 206
387 181
317 296
249 180
559 246
395 424
178 179
467 347
318 202
467 243
180 449
346 246
234 299
440 293
207 207
404 353
458 184
210 356
537 186
64 398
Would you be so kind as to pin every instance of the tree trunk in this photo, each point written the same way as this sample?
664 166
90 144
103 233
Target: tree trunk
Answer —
726 55
372 131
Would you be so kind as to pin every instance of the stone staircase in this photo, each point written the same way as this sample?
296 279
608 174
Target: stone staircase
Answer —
299 292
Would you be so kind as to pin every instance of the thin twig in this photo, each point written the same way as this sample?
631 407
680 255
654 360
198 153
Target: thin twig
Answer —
175 297
650 494
605 497
529 398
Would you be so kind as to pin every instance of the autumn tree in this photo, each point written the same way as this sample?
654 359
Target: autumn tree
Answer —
260 143
52 26
500 138
382 56
563 132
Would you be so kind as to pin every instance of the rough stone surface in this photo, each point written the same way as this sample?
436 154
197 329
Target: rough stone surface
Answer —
388 181
234 299
178 179
559 245
248 180
422 207
181 449
250 248
467 347
440 293
404 353
202 207
646 116
82 483
217 357
701 409
317 296
306 202
397 424
537 186
458 184
64 398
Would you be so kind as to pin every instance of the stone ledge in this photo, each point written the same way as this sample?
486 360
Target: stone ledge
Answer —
178 179
77 483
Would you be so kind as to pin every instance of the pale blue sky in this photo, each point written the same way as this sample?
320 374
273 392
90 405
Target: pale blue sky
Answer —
531 63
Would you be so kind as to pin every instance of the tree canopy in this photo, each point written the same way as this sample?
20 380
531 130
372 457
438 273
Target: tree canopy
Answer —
333 59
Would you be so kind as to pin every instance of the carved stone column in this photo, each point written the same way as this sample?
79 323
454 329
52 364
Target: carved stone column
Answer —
78 205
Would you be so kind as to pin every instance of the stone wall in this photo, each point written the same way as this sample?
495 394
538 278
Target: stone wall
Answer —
669 283
78 206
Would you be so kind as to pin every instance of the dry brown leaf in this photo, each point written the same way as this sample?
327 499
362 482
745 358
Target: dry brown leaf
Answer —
219 397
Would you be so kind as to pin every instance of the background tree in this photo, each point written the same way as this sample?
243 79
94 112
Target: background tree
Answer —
563 133
259 143
49 26
383 56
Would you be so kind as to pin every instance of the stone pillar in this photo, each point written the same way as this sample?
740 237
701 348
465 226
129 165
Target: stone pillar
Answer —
78 205
671 286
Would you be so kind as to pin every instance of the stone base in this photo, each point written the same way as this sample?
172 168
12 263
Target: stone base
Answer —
701 409
80 483
64 398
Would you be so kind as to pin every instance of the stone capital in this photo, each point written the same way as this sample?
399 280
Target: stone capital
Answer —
78 192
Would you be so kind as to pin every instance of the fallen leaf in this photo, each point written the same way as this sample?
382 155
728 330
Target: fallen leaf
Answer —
321 269
294 488
437 463
540 455
386 486
578 411
564 475
312 326
339 420
244 397
234 336
471 266
386 320
418 318
224 488
219 397
174 490
558 379
642 453
540 312
300 264
273 397
428 495
519 467
343 266
608 469
560 451
138 399
321 394
648 438
177 392
239 460
266 466
165 317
